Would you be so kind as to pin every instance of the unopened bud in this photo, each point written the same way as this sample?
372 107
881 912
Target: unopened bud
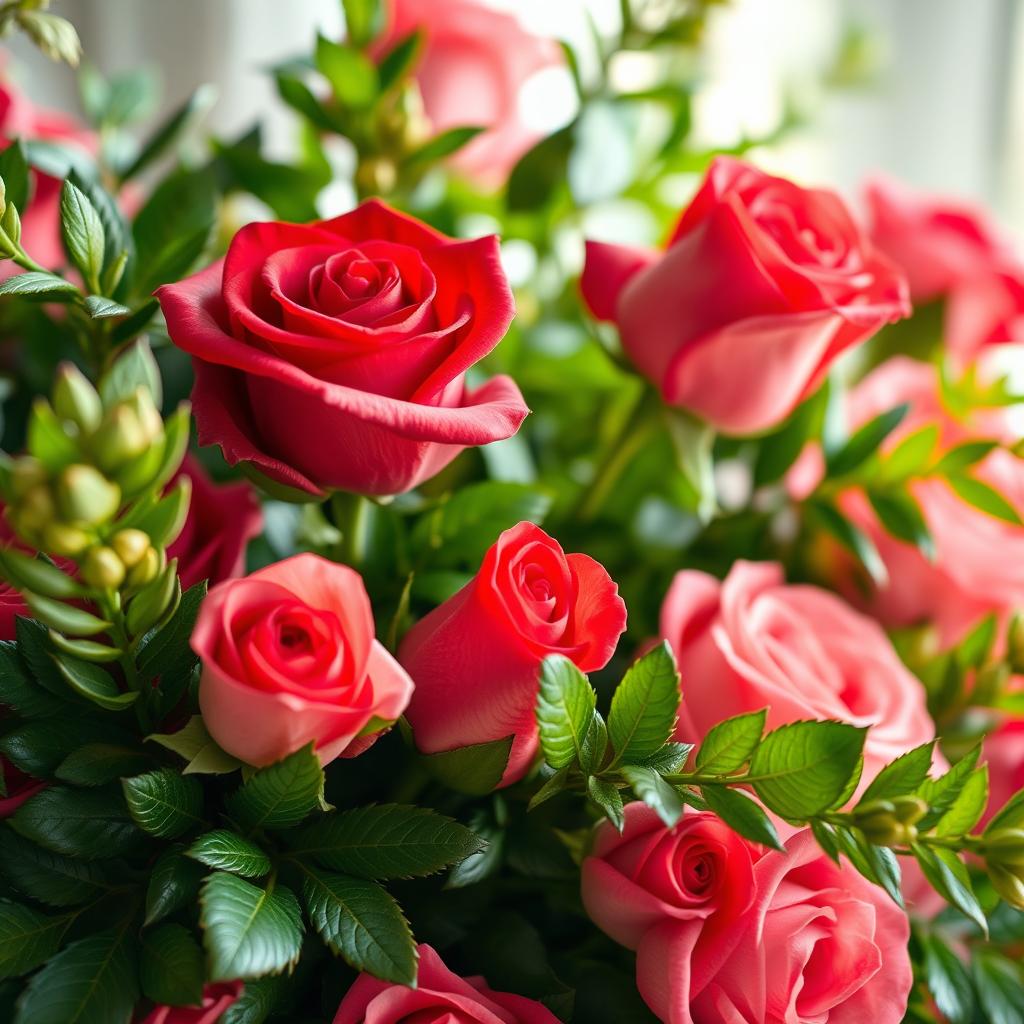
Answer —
1008 883
146 570
909 809
131 546
880 822
102 568
376 175
86 495
75 399
65 540
26 473
119 439
142 404
1015 643
1005 847
10 225
37 508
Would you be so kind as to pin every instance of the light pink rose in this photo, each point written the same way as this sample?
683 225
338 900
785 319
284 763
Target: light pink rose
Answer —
474 63
754 642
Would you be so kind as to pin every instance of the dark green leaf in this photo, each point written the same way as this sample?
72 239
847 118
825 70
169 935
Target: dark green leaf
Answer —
650 787
644 706
94 683
670 758
22 691
900 515
82 232
164 803
445 144
48 877
1000 987
940 793
965 812
864 442
27 938
729 745
14 172
96 764
851 537
963 456
948 876
540 173
948 981
173 884
607 797
778 451
742 815
399 60
281 795
171 966
100 308
229 852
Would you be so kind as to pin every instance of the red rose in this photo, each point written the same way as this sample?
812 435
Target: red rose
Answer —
289 657
18 786
334 354
728 932
216 999
475 660
762 286
752 641
474 62
950 250
440 997
222 519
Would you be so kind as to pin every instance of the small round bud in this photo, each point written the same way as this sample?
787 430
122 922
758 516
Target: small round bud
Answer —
86 495
879 821
376 175
37 507
65 540
75 399
141 403
26 473
131 546
1005 847
909 809
1008 883
102 568
10 225
146 570
119 439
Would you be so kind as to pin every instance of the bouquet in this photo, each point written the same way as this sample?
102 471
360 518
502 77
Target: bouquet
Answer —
401 624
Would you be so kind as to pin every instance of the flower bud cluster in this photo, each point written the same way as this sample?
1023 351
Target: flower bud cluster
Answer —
890 822
1003 851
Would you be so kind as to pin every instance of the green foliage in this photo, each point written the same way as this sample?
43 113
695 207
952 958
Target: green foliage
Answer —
281 795
565 707
644 707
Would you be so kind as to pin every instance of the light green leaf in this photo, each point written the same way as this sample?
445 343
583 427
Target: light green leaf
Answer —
729 745
904 775
565 706
644 706
650 787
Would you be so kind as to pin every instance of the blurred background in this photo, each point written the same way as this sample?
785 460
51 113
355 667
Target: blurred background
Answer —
931 91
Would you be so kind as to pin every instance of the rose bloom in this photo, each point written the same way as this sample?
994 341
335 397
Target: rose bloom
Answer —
216 999
761 287
476 658
440 997
334 354
40 222
950 250
1004 752
289 657
728 932
979 560
222 519
18 786
471 71
752 641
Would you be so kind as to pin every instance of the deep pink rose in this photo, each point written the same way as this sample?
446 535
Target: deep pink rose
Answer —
40 222
476 658
950 250
440 997
1004 752
754 642
762 286
11 606
222 519
474 63
216 999
289 657
334 354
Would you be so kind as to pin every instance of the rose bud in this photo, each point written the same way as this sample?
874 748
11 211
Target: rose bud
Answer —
439 997
358 329
289 657
762 286
476 658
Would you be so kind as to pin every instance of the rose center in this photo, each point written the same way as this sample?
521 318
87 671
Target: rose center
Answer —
698 873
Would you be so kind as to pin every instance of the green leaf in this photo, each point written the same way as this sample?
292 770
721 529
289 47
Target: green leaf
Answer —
644 706
27 938
82 232
966 811
904 775
14 172
101 308
168 647
963 456
948 876
670 758
940 793
94 683
363 19
800 770
229 852
360 922
48 877
171 966
353 76
565 706
1000 987
134 368
20 690
399 60
1011 815
96 764
984 498
92 980
729 745
443 145
555 784
607 797
864 442
197 747
47 440
693 443
297 95
164 803
65 617
742 815
173 884
650 787
851 537
901 516
974 649
541 173
36 284
281 795
257 1001
949 984
248 931
117 239
87 650
386 841
910 456
779 450
85 823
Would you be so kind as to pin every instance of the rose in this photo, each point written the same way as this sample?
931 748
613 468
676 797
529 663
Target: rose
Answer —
950 250
222 519
334 354
476 658
474 63
754 642
1004 752
40 221
762 286
11 606
978 566
440 997
216 999
727 932
17 787
289 657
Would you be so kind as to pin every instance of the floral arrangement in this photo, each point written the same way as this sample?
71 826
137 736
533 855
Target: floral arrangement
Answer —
552 629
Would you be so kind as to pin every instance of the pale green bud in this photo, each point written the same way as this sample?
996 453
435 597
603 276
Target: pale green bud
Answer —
102 568
26 473
75 399
1008 883
909 809
85 495
37 507
131 546
64 539
119 439
146 570
1005 847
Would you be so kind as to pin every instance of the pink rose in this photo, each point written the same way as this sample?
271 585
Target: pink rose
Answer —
754 642
950 250
40 222
476 658
289 657
762 286
727 932
1004 752
216 999
222 519
474 63
440 997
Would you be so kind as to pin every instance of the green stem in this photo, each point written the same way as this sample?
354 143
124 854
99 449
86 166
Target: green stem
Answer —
352 515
